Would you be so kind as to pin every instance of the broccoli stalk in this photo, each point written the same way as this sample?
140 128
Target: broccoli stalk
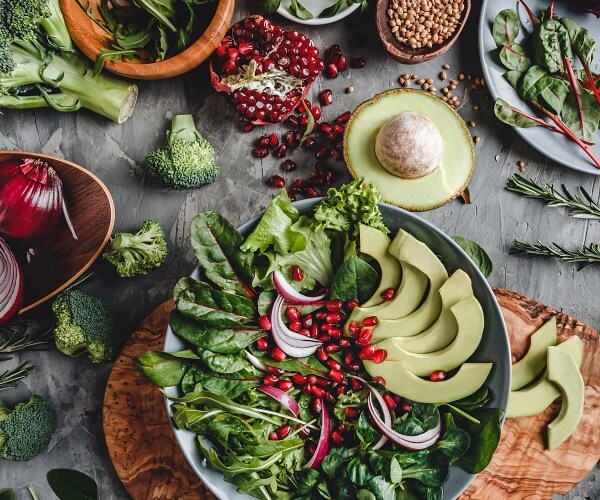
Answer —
40 67
138 253
188 161
84 323
26 431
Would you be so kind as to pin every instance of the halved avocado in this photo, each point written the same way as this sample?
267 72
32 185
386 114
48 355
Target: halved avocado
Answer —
424 193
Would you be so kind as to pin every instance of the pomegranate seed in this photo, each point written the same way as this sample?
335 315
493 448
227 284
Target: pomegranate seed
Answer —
316 112
275 370
388 294
277 181
323 382
273 140
297 185
338 129
265 323
262 344
314 331
333 317
324 338
325 127
326 97
288 165
304 121
357 63
323 153
336 375
260 152
248 127
277 354
273 436
310 144
341 63
370 321
302 109
367 352
289 138
222 52
245 48
263 140
333 364
321 354
334 305
292 313
292 121
297 275
343 118
320 315
316 181
340 389
389 401
283 431
329 398
298 379
311 379
337 438
325 327
379 380
438 376
280 151
355 366
307 389
307 320
270 379
331 71
285 385
344 343
348 358
328 180
312 192
292 196
352 412
354 329
365 336
332 348
295 326
397 398
311 448
229 67
335 332
406 407
317 405
335 153
233 53
356 384
304 432
379 356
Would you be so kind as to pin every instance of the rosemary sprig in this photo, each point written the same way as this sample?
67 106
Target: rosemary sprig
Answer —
18 336
581 207
586 254
10 377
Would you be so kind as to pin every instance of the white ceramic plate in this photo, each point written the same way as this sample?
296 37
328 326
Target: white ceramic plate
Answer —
315 7
551 144
493 347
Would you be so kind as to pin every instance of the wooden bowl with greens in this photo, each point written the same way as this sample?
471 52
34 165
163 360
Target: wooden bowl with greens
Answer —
145 39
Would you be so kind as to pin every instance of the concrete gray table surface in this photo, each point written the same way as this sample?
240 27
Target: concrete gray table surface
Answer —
116 152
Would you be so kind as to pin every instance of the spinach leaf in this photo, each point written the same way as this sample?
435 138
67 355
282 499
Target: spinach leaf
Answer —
8 494
484 439
395 471
591 115
332 464
216 244
212 307
230 385
358 472
473 401
514 57
365 431
428 492
432 471
406 459
355 279
506 27
365 495
513 77
324 491
409 425
428 415
224 363
376 462
304 402
305 480
298 10
305 366
551 44
222 341
478 255
162 368
453 444
68 484
382 489
512 116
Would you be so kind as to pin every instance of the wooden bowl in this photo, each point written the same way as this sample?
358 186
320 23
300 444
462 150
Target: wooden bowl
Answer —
63 259
404 53
91 39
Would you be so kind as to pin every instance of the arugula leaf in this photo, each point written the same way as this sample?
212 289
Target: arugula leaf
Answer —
297 9
484 439
355 279
230 385
216 244
68 484
164 369
506 27
478 255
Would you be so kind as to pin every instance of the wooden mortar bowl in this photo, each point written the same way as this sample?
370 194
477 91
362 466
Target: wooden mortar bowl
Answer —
91 39
404 53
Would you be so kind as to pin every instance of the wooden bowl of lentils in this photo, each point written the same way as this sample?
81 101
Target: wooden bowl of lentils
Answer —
414 31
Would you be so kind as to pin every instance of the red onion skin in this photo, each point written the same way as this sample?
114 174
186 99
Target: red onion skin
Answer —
31 198
7 258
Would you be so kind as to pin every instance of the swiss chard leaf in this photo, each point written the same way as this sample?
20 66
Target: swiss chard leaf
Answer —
355 279
229 385
554 93
506 27
551 44
68 484
484 438
478 255
533 82
217 244
514 57
224 363
305 366
265 302
513 116
582 43
513 77
591 115
162 368
212 307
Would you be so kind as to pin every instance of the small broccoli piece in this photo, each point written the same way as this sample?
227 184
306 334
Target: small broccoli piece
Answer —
136 254
188 161
26 431
84 322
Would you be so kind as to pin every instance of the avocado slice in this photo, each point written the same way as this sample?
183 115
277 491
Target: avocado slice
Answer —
410 250
445 328
564 372
469 378
538 396
534 361
425 193
469 317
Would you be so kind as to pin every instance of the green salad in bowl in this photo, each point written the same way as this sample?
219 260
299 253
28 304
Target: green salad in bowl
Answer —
333 348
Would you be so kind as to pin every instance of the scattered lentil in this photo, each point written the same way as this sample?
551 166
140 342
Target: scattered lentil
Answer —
521 165
420 81
446 66
476 139
476 107
497 158
461 77
350 89
471 123
443 75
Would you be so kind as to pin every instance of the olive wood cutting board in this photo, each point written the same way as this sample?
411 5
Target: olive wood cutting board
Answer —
148 461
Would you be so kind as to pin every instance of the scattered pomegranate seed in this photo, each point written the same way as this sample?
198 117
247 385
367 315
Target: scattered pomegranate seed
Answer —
316 181
333 364
248 127
273 140
335 153
270 379
292 121
325 327
333 348
277 354
356 384
321 354
323 382
338 129
289 138
292 313
312 192
348 358
311 144
317 405
311 447
335 333
265 323
333 317
275 370
283 431
292 196
344 343
297 185
337 438
438 376
331 71
357 63
326 97
304 432
277 181
370 321
353 329
285 385
352 412
273 436
316 112
343 118
263 140
365 336
323 153
320 315
298 379
388 294
295 326
367 352
261 152
336 375
307 389
379 380
341 63
406 407
325 127
262 344
328 179
355 366
334 305
379 356
297 275
314 331
389 401
307 320
311 379
280 151
340 389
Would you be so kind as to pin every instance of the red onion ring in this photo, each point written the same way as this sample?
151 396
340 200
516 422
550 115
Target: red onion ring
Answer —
291 343
254 361
281 397
290 294
11 284
322 444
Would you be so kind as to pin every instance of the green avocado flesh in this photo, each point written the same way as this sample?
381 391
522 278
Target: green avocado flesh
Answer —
425 193
534 361
535 398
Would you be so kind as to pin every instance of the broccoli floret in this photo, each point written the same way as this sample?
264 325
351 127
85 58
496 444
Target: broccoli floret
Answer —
26 431
39 66
84 322
188 161
136 254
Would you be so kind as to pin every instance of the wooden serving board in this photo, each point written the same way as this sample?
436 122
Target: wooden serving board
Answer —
151 466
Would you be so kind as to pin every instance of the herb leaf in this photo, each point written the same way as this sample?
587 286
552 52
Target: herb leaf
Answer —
477 254
68 484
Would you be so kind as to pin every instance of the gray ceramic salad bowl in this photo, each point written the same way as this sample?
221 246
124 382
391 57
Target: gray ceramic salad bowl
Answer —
494 345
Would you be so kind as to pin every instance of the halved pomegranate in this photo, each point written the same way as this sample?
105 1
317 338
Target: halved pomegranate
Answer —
264 70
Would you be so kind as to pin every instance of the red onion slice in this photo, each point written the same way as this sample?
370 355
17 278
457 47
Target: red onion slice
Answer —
11 284
290 294
387 416
323 443
282 397
291 343
257 363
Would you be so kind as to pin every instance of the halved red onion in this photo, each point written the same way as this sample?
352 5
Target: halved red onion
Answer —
11 284
323 443
282 397
291 343
414 443
257 363
290 294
